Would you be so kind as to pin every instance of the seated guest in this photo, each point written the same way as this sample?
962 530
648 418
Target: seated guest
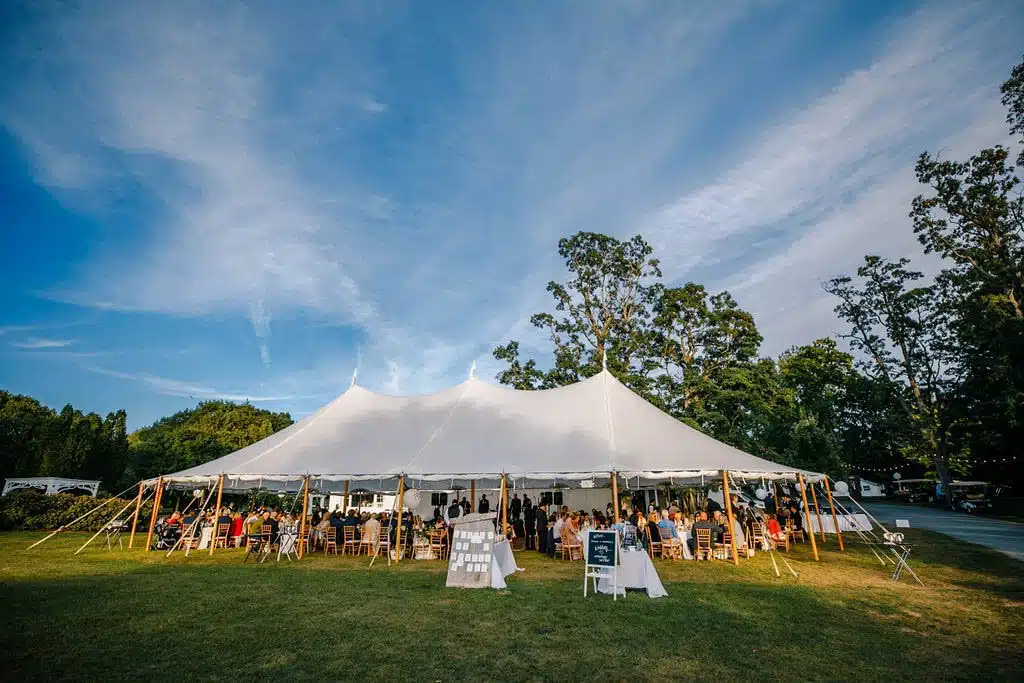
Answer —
701 523
236 529
275 527
798 520
225 518
174 519
718 522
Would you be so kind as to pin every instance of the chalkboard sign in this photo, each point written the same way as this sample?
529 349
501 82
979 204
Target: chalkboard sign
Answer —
601 548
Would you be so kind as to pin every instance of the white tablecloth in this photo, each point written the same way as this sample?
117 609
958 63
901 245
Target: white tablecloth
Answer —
635 571
503 563
204 540
846 522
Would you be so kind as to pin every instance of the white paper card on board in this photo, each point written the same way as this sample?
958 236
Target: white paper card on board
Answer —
902 523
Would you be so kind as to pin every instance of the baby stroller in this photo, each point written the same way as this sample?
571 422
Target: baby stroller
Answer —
167 536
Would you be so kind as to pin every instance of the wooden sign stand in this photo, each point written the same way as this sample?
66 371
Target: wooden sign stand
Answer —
600 564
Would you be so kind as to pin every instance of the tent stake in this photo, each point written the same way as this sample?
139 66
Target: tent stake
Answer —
817 513
302 520
216 514
728 513
398 528
835 520
807 515
156 511
135 517
615 496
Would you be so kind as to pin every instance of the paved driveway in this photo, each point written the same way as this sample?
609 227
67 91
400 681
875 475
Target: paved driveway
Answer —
994 533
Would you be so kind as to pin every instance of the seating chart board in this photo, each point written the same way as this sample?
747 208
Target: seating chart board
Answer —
469 565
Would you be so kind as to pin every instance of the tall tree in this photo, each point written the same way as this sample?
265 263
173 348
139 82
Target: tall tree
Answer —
903 332
601 313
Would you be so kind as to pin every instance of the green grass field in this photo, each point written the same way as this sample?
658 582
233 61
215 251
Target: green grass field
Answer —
130 616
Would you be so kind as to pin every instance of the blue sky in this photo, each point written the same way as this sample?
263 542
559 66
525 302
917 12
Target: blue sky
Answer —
210 200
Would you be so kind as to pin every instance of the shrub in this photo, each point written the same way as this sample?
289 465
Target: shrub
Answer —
31 510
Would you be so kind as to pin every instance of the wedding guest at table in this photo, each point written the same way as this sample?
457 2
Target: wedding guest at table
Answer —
673 507
484 506
713 506
719 522
515 507
556 532
438 515
225 518
235 529
530 519
701 523
667 529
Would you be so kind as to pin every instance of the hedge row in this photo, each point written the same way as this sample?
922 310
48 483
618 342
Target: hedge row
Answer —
31 510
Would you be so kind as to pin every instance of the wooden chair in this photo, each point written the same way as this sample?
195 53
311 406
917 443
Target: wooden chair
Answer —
348 544
654 546
220 539
437 546
571 550
723 550
366 543
669 550
331 542
703 550
266 532
190 536
757 534
384 541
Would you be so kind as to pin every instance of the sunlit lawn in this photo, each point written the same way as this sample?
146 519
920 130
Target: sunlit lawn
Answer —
130 616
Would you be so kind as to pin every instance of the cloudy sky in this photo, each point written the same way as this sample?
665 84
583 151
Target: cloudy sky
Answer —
248 201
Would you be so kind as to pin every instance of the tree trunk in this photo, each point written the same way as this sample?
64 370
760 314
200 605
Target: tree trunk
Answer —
942 470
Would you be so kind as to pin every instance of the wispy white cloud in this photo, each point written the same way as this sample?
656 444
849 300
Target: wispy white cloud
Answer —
182 389
39 343
294 173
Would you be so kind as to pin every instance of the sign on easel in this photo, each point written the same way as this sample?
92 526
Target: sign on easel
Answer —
472 551
601 557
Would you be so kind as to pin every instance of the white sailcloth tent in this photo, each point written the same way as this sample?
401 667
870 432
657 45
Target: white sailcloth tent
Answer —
480 432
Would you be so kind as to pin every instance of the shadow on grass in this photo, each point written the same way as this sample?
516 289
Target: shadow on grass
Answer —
225 622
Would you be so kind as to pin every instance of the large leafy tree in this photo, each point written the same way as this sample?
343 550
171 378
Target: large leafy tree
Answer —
601 313
903 333
193 437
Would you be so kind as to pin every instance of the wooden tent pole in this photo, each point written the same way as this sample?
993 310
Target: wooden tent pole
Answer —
504 505
728 514
398 528
615 496
344 499
817 513
472 495
807 514
216 512
156 511
835 520
302 520
135 517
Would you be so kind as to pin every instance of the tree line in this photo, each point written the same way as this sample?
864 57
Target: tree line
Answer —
38 441
934 377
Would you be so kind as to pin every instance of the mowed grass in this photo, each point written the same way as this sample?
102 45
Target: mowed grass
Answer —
126 615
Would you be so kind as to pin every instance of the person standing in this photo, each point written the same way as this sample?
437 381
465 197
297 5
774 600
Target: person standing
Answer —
484 506
530 517
516 507
542 528
466 509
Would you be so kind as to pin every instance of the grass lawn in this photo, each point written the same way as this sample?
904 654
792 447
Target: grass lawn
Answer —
129 616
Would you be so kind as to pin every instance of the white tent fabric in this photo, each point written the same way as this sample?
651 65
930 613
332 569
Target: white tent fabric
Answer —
480 431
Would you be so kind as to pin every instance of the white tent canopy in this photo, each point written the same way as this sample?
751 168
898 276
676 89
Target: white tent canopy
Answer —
480 431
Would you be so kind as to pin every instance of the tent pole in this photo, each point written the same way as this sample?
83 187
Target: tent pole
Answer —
135 517
728 513
344 499
817 513
398 528
835 520
156 511
302 520
807 514
615 496
504 505
472 495
216 513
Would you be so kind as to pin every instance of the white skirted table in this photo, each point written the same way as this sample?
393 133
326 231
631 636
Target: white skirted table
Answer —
503 563
855 522
635 571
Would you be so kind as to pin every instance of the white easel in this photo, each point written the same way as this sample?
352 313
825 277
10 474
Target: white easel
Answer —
601 571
